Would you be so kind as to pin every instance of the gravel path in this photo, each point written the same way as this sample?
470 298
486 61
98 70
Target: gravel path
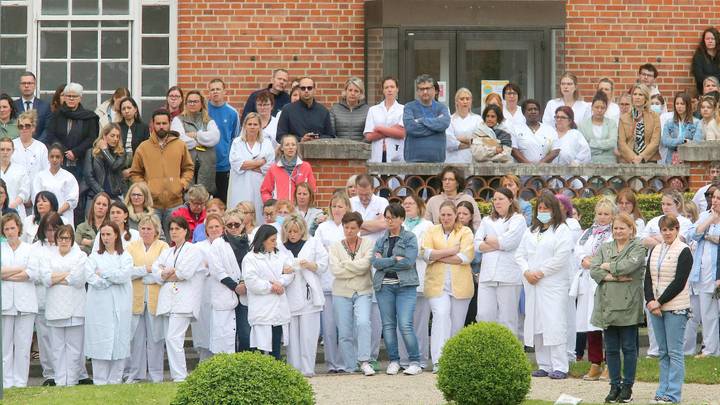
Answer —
400 389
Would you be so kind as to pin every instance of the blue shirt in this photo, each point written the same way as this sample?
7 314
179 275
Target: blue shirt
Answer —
228 122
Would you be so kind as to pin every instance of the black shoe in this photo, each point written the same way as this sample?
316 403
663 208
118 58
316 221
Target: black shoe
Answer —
48 383
625 394
612 397
85 381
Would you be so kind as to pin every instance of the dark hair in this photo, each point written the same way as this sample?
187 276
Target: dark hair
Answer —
668 221
118 240
182 97
702 49
685 97
56 146
650 67
548 199
600 96
90 218
123 207
628 194
569 112
55 103
263 233
53 219
217 80
6 203
13 110
182 223
50 197
396 210
363 180
265 95
65 229
352 216
161 111
31 74
496 109
134 104
513 209
459 176
269 203
386 78
512 86
524 104
470 207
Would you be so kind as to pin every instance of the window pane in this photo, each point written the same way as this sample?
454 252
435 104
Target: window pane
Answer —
114 44
84 44
13 20
54 24
52 74
148 107
114 75
85 7
89 101
156 20
12 51
84 73
54 7
155 51
75 24
9 79
155 82
120 23
114 7
53 44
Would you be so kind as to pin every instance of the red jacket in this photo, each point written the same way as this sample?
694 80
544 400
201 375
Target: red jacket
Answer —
192 219
280 186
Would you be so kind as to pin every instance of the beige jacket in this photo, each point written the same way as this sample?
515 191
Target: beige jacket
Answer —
351 275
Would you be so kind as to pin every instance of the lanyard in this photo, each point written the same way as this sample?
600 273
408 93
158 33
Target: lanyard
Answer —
177 254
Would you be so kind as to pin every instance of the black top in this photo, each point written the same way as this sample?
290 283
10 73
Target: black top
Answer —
299 119
702 67
280 100
391 244
140 133
684 265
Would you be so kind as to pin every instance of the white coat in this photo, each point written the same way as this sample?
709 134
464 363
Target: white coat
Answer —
583 286
305 282
180 297
223 264
420 263
379 115
65 301
245 184
328 233
203 323
34 158
108 310
500 265
265 307
64 186
36 263
18 296
546 301
18 184
134 235
460 127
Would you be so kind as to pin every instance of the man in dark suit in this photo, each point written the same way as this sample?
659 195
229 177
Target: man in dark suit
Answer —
28 101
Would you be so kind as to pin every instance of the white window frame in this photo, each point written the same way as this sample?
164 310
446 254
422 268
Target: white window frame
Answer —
30 31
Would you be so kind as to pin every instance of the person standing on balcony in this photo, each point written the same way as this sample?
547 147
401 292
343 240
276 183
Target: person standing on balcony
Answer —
532 142
349 114
460 132
639 129
647 75
600 132
29 101
425 122
306 119
706 61
276 87
569 97
607 86
512 111
384 125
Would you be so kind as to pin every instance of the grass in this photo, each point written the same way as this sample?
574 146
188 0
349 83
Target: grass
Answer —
146 394
698 371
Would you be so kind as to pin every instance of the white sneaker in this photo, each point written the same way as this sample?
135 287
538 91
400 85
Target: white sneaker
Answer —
367 369
414 369
436 368
393 368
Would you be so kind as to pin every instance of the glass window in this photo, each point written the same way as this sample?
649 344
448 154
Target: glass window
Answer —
13 20
155 51
85 7
54 7
155 82
13 45
53 44
159 16
116 7
83 44
12 51
114 44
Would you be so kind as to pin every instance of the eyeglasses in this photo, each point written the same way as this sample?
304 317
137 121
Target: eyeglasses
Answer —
25 126
511 93
136 195
71 96
192 102
306 88
268 214
64 238
423 89
27 83
233 225
390 218
174 96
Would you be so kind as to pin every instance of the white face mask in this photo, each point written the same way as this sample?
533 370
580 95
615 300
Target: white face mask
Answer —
656 108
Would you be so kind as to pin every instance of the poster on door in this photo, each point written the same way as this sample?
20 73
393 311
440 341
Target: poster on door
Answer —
442 94
491 86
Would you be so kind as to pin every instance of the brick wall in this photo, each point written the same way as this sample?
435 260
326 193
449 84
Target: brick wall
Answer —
614 37
242 41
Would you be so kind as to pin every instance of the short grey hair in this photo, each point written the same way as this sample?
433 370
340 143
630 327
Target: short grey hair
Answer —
712 79
74 88
424 78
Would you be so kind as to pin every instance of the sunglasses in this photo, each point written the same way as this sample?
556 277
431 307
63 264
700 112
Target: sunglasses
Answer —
25 126
233 225
306 88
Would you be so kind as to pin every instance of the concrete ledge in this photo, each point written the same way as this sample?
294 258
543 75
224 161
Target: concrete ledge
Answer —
706 151
334 149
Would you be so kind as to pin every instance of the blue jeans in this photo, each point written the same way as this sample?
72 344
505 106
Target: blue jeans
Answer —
397 308
353 314
670 334
625 338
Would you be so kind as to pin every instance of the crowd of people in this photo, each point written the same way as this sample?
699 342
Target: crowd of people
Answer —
119 236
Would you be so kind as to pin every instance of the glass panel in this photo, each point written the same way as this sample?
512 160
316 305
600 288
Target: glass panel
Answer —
84 73
83 24
84 44
85 7
156 20
12 51
54 7
432 56
155 82
54 24
147 107
115 7
114 75
89 101
382 60
9 78
52 74
13 20
558 55
114 44
120 23
53 44
155 51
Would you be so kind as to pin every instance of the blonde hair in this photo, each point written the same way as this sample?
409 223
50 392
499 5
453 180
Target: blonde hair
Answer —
458 225
357 82
627 220
252 115
107 129
246 206
203 107
154 221
236 213
571 76
606 203
691 211
285 203
147 202
340 196
462 91
28 116
645 90
294 220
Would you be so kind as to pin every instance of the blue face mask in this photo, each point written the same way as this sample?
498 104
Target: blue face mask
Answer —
657 109
544 217
280 219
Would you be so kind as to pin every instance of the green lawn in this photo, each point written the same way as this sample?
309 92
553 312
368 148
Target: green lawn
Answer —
150 394
699 371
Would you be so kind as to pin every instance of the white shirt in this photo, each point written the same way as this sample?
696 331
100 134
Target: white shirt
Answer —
573 147
514 120
581 110
34 158
374 210
270 131
379 115
64 186
652 228
613 112
534 145
64 301
18 185
18 296
464 127
699 198
209 137
180 297
500 265
328 233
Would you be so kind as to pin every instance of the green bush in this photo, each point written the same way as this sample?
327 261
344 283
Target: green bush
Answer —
244 378
484 364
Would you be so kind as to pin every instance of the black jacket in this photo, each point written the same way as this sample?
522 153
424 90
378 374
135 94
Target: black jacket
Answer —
105 166
140 132
85 129
702 67
298 119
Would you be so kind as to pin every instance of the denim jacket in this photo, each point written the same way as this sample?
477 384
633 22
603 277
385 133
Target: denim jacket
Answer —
673 136
406 247
702 244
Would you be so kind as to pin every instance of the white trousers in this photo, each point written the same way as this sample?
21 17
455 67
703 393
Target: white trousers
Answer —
376 334
66 344
691 327
571 337
421 322
222 332
448 314
175 344
107 371
653 350
551 358
146 355
499 303
43 338
333 359
17 333
302 345
708 314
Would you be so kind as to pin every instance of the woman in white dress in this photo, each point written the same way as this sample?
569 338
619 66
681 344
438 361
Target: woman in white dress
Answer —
63 273
543 256
264 104
305 293
573 147
267 274
146 356
59 182
15 176
45 201
179 270
250 158
568 97
29 152
463 123
108 310
384 126
19 303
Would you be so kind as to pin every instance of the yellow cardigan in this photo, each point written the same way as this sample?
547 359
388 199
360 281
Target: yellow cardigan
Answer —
460 274
141 257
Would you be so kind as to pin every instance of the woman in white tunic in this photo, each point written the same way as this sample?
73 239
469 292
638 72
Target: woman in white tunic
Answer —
500 280
384 126
19 303
543 256
459 134
29 152
120 216
179 271
573 146
328 233
108 312
146 352
63 273
59 182
15 176
305 293
267 274
568 97
250 158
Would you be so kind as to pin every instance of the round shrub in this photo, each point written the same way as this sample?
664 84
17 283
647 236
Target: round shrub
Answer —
244 378
484 364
